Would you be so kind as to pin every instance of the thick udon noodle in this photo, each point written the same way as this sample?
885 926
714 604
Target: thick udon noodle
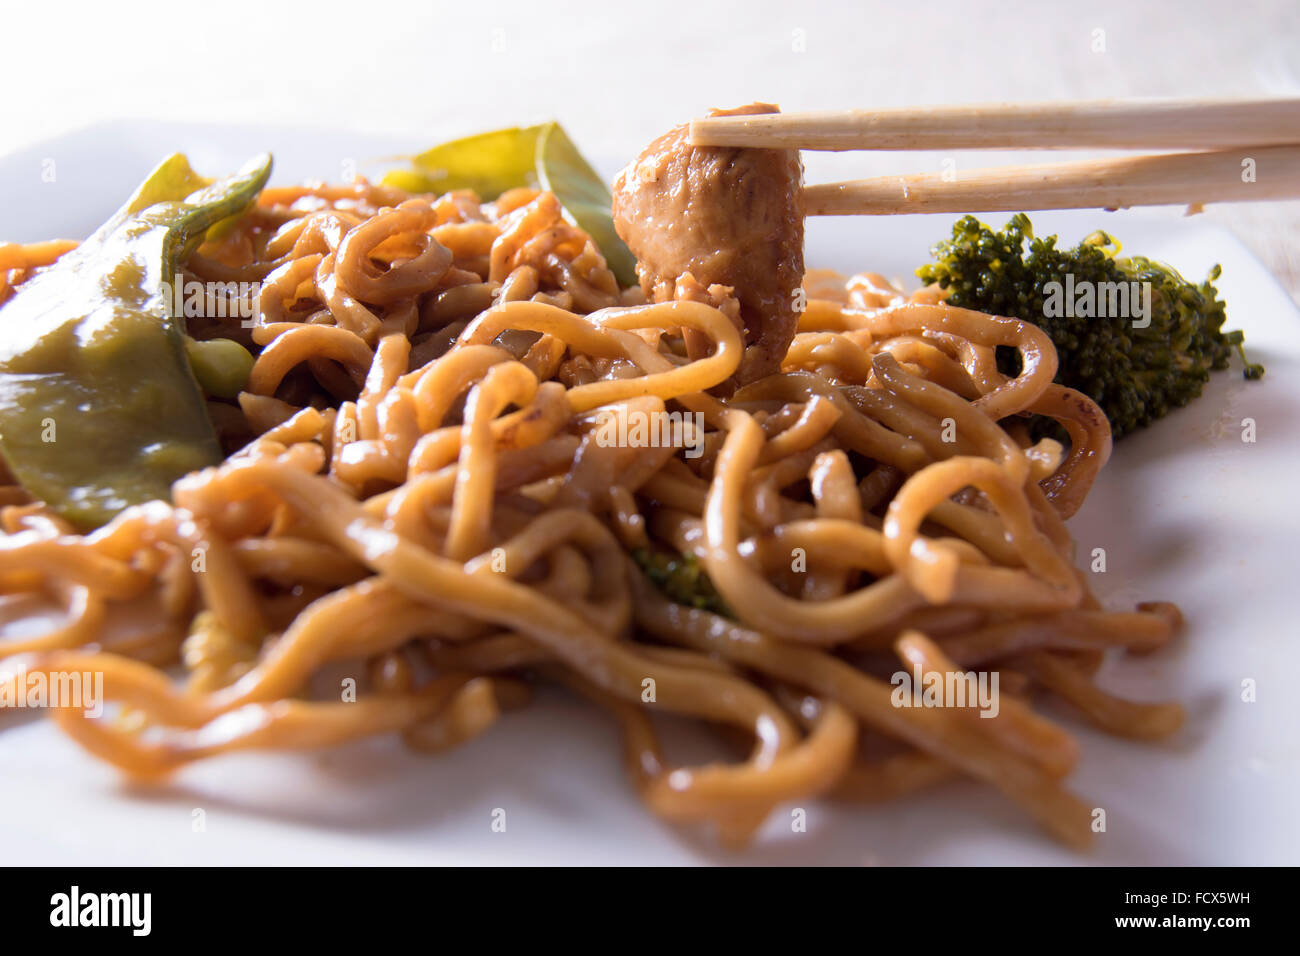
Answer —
420 492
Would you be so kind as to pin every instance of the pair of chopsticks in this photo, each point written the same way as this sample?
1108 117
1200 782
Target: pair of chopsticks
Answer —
1231 151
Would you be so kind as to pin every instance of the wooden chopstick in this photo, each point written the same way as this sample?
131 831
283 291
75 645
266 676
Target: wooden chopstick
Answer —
1172 178
1142 124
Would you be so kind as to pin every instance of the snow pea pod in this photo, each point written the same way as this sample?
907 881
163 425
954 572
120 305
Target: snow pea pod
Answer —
540 157
99 408
488 163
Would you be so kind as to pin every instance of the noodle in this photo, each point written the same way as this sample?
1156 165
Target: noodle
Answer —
417 485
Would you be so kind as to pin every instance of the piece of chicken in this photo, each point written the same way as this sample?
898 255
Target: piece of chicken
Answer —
728 217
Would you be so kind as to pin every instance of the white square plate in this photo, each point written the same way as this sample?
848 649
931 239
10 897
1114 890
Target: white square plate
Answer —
1186 511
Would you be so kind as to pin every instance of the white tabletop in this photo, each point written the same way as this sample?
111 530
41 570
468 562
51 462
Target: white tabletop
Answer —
616 73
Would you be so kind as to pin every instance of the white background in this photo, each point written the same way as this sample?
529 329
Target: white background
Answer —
618 73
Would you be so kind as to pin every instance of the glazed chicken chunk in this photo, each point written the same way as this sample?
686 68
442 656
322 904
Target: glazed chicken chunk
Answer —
723 218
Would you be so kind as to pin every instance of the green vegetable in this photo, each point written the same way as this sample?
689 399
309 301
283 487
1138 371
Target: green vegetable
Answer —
1137 372
99 408
541 157
221 366
584 196
488 163
681 579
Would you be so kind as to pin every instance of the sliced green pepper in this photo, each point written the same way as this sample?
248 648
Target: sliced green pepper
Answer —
535 156
99 408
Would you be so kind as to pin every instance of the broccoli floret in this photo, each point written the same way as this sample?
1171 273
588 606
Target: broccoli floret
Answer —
1135 374
681 579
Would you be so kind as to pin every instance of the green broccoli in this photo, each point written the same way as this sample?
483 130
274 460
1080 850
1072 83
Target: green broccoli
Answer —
681 579
1136 374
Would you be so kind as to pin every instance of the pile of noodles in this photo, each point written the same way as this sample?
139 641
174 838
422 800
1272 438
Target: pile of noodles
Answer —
413 484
